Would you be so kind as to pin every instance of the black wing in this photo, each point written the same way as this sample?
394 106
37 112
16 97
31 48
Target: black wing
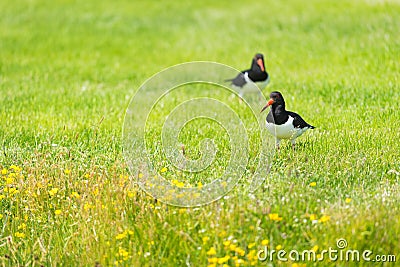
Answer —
238 80
298 121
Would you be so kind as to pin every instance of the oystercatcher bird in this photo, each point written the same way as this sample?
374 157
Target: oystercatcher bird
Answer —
284 124
256 74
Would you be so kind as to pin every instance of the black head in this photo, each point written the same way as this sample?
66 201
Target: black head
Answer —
276 99
258 63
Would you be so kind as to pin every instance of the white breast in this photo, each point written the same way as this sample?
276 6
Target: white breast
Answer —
286 130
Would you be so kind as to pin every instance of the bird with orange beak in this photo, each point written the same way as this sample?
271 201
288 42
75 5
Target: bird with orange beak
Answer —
281 123
244 81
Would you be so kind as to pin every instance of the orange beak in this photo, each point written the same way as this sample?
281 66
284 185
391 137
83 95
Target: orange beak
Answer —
260 63
269 103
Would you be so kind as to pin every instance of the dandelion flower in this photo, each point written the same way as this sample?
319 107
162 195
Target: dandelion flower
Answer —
265 242
57 212
211 251
324 218
180 184
274 217
75 194
120 236
253 244
313 184
212 260
22 226
67 171
223 259
313 217
227 243
240 251
348 200
19 235
53 191
164 169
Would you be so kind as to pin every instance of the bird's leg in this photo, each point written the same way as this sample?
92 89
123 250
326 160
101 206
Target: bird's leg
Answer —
278 141
293 144
240 97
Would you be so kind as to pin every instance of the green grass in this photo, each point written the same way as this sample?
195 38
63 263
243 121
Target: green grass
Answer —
68 70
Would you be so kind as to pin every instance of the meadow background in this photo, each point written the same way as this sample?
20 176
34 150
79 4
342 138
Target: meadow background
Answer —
68 70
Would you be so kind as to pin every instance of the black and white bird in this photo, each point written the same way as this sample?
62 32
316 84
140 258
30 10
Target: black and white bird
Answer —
284 124
244 81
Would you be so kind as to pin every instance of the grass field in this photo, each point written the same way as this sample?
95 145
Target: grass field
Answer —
68 70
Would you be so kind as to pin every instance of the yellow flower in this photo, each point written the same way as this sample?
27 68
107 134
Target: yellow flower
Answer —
57 212
9 180
226 243
2 196
182 211
223 259
1 216
199 185
53 191
16 168
19 234
232 247
240 251
212 260
313 184
253 244
274 217
324 218
120 236
4 171
164 169
75 194
315 248
87 206
222 234
251 255
313 217
205 239
67 171
278 247
13 191
348 200
140 175
22 226
123 253
265 242
211 251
